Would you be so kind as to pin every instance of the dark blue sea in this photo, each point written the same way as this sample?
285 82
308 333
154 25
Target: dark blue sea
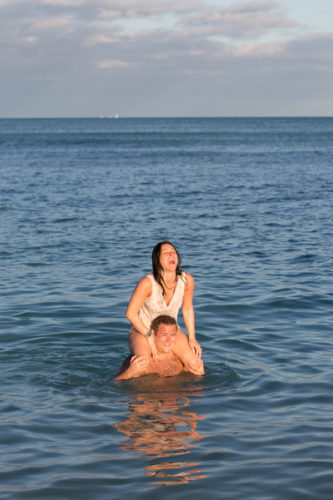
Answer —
248 204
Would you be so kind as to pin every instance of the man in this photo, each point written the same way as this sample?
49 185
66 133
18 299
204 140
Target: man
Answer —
165 363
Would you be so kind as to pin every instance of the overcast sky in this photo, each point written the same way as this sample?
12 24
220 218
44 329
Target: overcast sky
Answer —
166 58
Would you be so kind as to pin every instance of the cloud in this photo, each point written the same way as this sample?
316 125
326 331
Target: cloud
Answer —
189 51
64 3
243 20
148 8
102 38
48 23
195 18
246 20
112 63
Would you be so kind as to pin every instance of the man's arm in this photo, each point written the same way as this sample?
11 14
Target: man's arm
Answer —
133 367
196 367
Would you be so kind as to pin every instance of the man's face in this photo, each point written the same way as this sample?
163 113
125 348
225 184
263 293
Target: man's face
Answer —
165 338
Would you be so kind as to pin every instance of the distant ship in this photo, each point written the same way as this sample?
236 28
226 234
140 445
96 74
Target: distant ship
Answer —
115 115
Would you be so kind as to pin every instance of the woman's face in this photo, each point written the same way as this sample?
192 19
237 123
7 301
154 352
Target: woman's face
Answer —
168 257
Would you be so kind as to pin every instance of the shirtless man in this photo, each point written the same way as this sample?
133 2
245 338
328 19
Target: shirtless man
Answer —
165 363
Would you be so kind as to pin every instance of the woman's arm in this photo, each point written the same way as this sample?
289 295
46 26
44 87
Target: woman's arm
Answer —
141 292
139 345
188 314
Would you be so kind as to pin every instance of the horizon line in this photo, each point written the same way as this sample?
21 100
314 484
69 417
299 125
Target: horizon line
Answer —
119 117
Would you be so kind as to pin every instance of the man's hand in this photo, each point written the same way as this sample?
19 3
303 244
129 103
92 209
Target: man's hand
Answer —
137 364
136 367
196 367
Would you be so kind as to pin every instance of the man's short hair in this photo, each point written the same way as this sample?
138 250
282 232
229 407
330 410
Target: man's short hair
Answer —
163 319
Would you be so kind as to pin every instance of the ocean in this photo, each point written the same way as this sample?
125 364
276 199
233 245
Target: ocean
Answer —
248 204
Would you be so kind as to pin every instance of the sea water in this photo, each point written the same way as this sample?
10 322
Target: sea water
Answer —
248 204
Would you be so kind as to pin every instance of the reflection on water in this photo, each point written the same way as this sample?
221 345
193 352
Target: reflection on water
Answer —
161 425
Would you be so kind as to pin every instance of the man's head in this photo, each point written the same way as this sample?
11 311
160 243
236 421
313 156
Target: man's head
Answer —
164 329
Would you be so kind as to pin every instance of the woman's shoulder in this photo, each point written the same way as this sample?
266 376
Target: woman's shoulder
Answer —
145 283
188 279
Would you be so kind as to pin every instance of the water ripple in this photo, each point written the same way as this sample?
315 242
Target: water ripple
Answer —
248 203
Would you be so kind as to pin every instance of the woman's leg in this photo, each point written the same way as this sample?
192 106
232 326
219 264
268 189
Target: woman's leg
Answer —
138 344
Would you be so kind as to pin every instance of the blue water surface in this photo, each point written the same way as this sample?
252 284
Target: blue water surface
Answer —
248 203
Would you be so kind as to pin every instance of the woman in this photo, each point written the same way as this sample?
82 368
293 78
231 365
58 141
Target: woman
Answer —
163 292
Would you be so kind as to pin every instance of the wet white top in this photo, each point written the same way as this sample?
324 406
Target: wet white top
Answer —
155 305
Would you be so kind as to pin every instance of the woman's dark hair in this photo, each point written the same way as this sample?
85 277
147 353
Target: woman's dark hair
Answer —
157 268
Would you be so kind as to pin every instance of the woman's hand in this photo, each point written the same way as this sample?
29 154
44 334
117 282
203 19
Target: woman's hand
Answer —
195 347
152 346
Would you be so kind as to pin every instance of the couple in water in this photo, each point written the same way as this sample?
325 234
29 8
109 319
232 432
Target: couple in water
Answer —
156 342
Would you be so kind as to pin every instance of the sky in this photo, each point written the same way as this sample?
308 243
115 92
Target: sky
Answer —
145 58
